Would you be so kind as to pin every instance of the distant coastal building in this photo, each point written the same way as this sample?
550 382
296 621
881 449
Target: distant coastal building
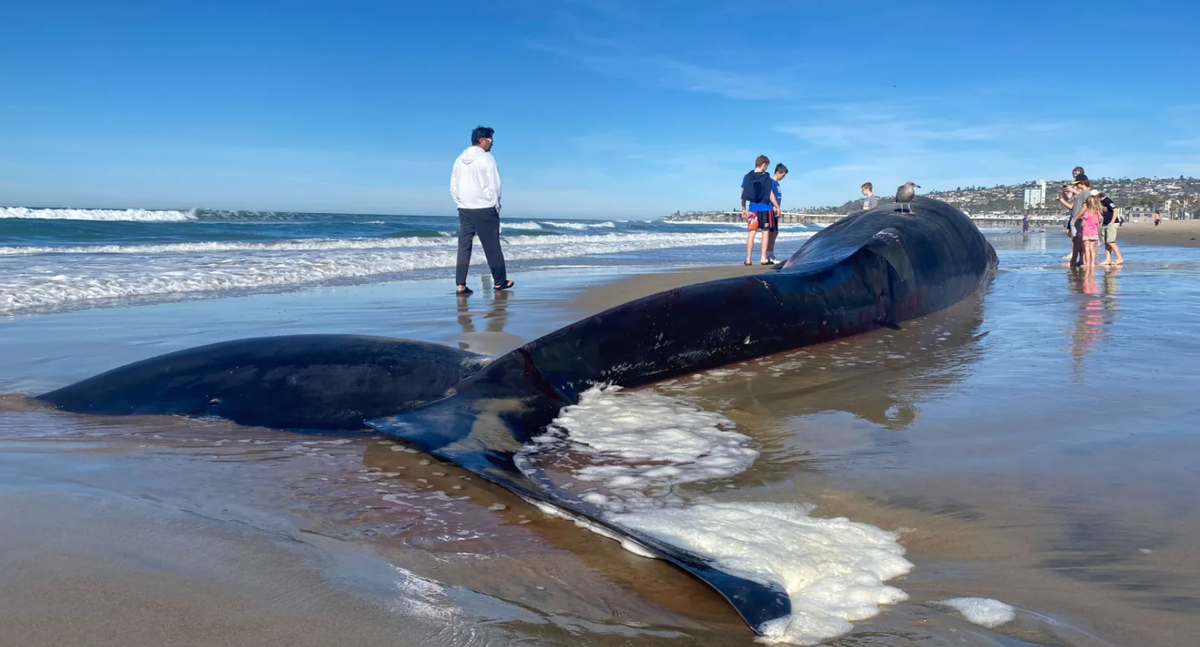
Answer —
1137 212
1035 196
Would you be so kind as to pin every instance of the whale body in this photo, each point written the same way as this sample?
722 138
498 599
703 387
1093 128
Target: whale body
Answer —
873 269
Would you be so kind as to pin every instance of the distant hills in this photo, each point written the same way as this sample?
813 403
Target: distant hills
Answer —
1173 196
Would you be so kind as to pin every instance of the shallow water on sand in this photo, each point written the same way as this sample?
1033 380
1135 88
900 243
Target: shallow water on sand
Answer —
1035 445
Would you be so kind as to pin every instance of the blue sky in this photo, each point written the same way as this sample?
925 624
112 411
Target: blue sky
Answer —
604 108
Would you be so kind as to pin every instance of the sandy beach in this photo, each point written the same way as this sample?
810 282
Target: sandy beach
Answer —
1176 233
1029 445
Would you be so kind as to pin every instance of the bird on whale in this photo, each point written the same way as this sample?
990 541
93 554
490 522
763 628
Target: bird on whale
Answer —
905 194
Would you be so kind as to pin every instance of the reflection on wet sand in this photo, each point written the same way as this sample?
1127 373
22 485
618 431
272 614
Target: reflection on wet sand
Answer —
505 521
866 387
492 340
423 515
1097 310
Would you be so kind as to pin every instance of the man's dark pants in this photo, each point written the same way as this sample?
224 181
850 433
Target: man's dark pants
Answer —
485 223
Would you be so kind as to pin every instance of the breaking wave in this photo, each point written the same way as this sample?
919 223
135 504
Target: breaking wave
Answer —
115 215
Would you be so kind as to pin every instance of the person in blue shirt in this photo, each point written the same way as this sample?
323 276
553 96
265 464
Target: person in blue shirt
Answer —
757 185
781 172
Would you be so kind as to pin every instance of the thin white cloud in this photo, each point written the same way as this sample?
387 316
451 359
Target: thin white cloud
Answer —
627 62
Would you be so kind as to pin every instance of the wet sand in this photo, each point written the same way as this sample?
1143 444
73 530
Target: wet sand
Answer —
1175 233
1033 445
606 295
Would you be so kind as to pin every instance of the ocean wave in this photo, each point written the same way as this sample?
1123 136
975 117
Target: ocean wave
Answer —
741 225
559 241
71 278
520 225
126 215
581 225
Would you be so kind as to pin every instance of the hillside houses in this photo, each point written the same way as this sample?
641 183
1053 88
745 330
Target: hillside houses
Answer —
1174 197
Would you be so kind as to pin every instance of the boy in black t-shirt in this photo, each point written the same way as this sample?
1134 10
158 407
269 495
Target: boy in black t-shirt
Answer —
1108 232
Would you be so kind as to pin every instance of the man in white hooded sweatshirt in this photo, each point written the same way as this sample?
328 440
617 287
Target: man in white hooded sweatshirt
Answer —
475 187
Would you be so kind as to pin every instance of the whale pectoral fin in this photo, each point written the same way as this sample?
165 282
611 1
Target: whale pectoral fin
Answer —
494 417
484 434
889 245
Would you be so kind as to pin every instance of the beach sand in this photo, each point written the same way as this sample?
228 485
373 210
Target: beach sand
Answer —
1032 445
1176 233
606 295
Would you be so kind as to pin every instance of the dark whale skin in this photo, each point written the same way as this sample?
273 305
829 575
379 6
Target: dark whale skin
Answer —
874 269
300 382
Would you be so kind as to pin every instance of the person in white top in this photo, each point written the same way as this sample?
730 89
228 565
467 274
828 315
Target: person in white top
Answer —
475 187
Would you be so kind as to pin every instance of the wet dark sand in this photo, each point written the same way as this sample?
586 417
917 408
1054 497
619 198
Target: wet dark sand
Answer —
606 295
1035 446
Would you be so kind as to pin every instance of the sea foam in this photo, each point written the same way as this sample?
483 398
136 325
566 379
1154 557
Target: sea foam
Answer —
984 612
52 277
135 215
631 452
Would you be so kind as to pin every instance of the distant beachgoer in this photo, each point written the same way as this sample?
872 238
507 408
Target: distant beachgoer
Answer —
1157 219
870 200
1109 232
758 207
1089 221
475 187
781 172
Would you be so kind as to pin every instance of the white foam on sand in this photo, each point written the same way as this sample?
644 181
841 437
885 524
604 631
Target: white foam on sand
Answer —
832 569
634 450
641 444
984 612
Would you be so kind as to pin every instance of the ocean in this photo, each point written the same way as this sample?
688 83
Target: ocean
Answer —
63 259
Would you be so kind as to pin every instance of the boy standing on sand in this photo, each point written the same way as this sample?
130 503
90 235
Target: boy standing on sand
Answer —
781 172
870 200
758 194
1108 232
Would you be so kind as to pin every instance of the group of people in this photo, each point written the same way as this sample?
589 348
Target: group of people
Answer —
761 198
1092 225
475 187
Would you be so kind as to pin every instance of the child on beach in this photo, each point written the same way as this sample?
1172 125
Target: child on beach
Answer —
1089 221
